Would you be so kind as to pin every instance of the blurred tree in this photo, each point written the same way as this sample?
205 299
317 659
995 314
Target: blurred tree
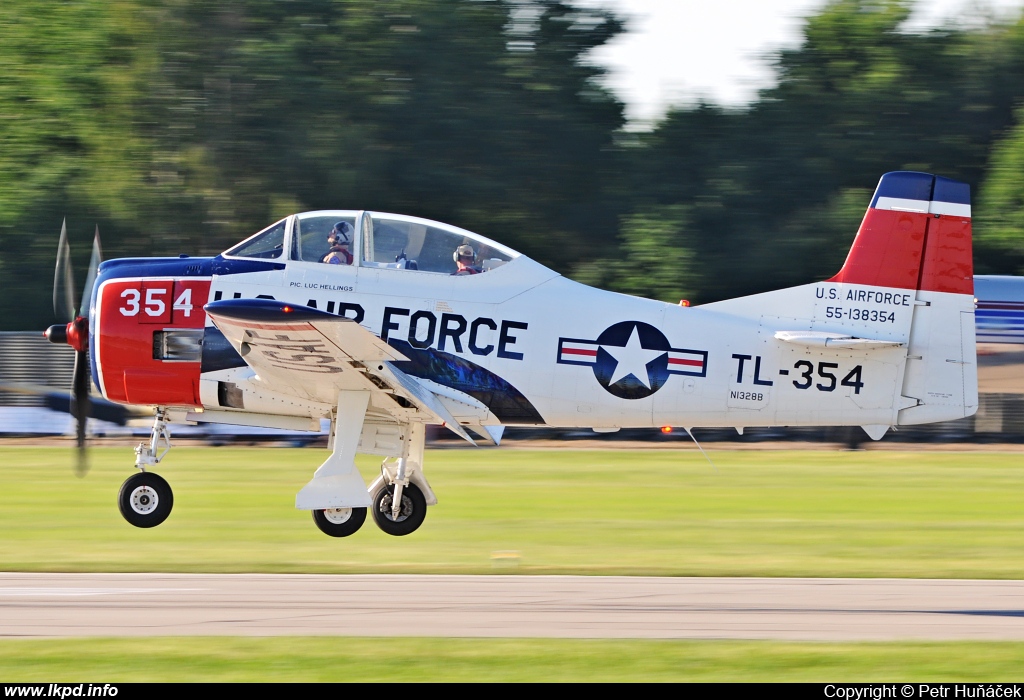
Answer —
184 125
655 262
770 186
478 113
72 76
999 228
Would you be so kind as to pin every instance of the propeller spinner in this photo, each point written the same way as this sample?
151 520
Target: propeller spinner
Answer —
75 332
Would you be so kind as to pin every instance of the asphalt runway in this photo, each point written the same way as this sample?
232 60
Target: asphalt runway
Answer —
77 605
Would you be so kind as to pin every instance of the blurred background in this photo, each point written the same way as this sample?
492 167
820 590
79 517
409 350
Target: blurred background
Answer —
182 126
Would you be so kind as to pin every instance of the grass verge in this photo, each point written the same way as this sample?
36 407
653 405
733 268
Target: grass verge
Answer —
665 513
361 659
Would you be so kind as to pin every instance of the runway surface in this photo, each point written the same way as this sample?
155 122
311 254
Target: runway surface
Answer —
73 605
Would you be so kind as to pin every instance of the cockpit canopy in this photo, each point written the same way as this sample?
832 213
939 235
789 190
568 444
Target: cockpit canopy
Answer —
379 240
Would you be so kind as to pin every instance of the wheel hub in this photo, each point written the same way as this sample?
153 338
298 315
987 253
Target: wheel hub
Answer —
405 512
338 515
144 500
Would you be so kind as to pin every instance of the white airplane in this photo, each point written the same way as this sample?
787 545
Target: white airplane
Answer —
417 322
1000 310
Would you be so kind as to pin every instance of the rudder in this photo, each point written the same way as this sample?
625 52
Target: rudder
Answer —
916 235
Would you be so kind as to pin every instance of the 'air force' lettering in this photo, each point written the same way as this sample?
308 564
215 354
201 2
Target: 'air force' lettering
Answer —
865 295
632 359
424 329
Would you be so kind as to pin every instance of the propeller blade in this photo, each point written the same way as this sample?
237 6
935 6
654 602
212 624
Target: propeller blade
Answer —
63 279
94 266
80 408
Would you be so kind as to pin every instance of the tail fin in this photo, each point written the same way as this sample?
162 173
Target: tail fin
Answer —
901 310
915 235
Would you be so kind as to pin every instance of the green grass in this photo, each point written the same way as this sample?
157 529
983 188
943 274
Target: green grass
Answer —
351 659
771 513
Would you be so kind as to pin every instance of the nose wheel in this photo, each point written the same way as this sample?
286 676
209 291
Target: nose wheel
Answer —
145 499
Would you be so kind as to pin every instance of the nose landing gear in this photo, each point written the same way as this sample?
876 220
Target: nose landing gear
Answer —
145 499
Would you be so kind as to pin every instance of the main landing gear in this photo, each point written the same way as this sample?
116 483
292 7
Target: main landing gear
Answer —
337 494
398 507
339 522
399 514
145 499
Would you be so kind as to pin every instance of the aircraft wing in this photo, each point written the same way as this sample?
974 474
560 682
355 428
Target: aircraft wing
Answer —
313 355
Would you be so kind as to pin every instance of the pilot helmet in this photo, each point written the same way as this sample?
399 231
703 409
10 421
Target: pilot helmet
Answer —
341 233
463 251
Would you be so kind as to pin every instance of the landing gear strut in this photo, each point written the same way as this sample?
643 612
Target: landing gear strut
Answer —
337 494
145 499
159 440
399 502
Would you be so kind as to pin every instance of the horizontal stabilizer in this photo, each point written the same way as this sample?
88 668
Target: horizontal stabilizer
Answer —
821 339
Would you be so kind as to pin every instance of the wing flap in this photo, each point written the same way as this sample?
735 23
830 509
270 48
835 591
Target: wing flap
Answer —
428 400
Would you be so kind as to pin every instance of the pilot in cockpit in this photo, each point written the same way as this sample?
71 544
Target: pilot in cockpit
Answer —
465 258
340 240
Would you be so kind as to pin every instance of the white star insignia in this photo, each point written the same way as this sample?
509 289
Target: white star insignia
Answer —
632 359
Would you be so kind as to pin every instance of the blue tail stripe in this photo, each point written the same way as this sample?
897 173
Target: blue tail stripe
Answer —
947 190
905 185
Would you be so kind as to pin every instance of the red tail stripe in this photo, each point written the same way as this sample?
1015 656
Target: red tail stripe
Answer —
887 250
575 351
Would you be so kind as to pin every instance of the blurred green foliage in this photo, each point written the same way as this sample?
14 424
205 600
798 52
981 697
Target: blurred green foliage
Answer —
655 257
181 126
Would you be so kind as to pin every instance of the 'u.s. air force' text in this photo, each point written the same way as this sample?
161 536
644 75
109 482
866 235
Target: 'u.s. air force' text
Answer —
447 332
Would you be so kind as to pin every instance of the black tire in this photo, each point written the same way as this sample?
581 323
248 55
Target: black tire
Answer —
339 522
145 499
414 510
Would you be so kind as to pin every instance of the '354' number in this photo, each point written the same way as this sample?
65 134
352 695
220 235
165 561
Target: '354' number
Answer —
852 379
154 304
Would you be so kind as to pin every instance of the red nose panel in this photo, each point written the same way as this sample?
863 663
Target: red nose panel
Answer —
130 315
